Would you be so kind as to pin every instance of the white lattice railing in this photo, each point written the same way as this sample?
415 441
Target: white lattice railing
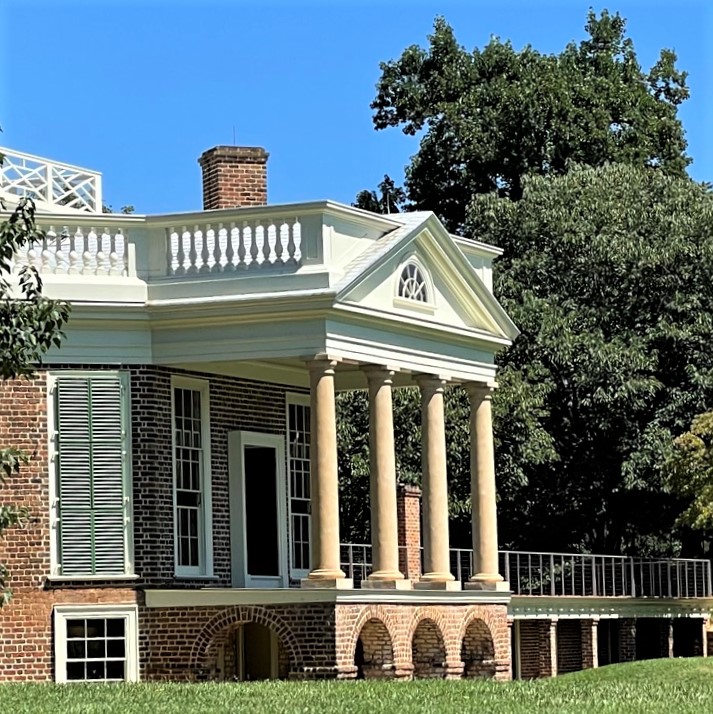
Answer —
54 183
219 247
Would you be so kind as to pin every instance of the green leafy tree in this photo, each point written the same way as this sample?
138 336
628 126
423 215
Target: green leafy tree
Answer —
490 117
690 472
607 273
389 199
29 325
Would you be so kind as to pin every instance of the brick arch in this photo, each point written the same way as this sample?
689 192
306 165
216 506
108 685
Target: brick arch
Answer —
214 633
403 649
478 650
494 625
372 612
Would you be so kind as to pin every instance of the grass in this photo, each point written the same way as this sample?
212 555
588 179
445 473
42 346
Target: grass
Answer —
651 687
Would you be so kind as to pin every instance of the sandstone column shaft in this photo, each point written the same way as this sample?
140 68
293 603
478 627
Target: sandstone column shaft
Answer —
382 462
435 482
324 480
482 483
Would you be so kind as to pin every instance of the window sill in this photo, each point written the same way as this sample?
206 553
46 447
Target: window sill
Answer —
211 578
89 578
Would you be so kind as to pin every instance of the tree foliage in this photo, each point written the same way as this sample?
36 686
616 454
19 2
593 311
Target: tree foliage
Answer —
30 324
389 198
607 274
690 472
490 117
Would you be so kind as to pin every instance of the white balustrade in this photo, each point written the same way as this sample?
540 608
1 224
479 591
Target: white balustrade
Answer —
77 250
224 247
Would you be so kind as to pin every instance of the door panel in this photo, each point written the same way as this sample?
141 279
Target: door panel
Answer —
261 511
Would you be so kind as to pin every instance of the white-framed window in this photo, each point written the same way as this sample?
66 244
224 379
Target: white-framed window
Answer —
413 284
96 643
298 468
90 474
193 528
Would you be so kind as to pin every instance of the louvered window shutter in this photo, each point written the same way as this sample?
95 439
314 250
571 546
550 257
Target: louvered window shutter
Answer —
91 453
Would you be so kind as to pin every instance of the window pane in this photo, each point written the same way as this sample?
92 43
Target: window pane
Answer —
115 648
75 649
115 627
96 649
115 670
75 670
95 670
75 628
298 429
96 628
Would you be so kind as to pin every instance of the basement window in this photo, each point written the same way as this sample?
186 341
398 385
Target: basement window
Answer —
96 644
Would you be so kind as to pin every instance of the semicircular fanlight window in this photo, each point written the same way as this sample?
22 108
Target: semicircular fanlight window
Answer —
412 284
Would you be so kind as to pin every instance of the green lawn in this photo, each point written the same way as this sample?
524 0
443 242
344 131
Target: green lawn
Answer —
660 686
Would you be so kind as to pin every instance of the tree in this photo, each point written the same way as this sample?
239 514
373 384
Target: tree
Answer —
607 274
490 117
690 472
390 198
29 325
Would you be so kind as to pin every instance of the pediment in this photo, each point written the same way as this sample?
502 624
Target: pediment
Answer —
455 296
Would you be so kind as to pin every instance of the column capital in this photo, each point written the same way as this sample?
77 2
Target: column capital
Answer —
322 365
480 391
378 373
435 382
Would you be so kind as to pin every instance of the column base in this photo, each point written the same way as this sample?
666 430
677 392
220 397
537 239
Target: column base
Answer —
488 581
386 584
327 583
329 579
452 585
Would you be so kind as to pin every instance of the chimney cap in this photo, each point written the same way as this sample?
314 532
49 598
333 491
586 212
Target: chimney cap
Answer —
244 154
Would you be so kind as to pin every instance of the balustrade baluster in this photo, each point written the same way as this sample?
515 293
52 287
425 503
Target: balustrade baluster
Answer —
115 266
88 265
229 251
281 230
244 236
268 246
257 235
192 251
205 253
218 253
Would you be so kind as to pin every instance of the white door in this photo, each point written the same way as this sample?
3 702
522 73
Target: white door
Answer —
258 522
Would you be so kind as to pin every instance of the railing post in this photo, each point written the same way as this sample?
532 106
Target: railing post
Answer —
594 575
633 578
709 584
553 590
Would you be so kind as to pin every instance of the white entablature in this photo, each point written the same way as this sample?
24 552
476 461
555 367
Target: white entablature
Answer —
254 291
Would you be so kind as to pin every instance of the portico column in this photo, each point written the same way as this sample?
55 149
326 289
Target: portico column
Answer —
482 493
324 483
437 571
382 462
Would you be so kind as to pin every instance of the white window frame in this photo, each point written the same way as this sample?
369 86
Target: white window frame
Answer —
427 306
62 613
205 531
55 565
302 400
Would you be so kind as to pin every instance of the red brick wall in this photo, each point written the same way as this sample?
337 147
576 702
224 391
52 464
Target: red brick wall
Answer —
538 648
234 176
590 643
569 646
408 504
25 624
422 634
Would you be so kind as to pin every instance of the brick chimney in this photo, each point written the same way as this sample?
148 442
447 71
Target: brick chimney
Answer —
234 176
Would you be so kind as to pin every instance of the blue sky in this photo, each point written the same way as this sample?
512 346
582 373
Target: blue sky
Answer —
137 90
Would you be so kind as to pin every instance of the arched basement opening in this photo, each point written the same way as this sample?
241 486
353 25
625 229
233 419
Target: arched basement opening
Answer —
428 651
248 652
478 651
374 651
